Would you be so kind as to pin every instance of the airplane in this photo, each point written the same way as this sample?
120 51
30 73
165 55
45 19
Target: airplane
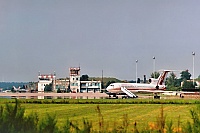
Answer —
19 89
16 89
155 86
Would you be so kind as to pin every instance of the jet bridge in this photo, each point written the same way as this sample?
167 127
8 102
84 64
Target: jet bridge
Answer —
128 93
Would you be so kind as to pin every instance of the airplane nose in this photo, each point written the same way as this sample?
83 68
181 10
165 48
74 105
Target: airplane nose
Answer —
108 88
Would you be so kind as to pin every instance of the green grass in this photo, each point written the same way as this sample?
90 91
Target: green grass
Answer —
105 101
140 111
112 113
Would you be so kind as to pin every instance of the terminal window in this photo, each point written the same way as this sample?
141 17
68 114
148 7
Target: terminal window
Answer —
74 72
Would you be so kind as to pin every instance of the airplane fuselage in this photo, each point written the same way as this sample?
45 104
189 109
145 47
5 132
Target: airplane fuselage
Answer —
133 87
154 86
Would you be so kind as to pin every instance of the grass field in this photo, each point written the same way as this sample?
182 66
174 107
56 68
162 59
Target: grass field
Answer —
113 114
141 113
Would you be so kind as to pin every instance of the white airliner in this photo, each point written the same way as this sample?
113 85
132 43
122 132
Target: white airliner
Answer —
155 86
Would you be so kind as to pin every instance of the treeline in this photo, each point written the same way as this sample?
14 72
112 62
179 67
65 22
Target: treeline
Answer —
14 120
9 85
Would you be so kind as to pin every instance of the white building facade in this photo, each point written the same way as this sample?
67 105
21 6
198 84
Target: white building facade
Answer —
46 80
90 86
74 74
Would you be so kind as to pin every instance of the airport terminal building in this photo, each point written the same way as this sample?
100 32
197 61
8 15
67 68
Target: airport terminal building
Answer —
72 84
76 85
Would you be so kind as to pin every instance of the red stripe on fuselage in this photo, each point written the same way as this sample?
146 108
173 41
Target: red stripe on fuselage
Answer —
118 90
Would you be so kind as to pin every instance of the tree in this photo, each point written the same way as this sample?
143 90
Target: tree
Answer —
155 75
48 87
68 89
198 79
172 82
84 78
188 85
109 82
58 91
185 75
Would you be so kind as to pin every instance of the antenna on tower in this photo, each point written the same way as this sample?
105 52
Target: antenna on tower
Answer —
79 65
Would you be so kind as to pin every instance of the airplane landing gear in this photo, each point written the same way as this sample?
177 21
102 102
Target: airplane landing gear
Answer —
156 96
113 96
124 97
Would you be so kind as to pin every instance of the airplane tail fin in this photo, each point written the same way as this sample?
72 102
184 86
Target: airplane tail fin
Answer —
16 88
162 77
160 80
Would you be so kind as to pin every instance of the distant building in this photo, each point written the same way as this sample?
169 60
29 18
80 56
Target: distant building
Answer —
62 84
74 76
76 85
44 80
72 84
90 86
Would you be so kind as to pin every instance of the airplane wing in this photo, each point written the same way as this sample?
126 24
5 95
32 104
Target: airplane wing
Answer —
169 93
154 91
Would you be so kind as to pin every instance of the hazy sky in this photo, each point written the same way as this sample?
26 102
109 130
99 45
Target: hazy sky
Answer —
108 35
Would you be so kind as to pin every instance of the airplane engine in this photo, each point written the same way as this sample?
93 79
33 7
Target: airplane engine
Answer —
157 87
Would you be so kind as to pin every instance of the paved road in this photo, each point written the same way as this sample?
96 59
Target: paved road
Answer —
55 94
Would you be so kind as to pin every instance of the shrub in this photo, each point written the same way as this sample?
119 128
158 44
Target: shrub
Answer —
13 120
194 127
48 124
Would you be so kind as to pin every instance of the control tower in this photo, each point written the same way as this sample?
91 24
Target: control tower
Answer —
74 74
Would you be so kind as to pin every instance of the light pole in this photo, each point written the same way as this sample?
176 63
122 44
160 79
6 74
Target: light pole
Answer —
154 65
136 71
193 54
